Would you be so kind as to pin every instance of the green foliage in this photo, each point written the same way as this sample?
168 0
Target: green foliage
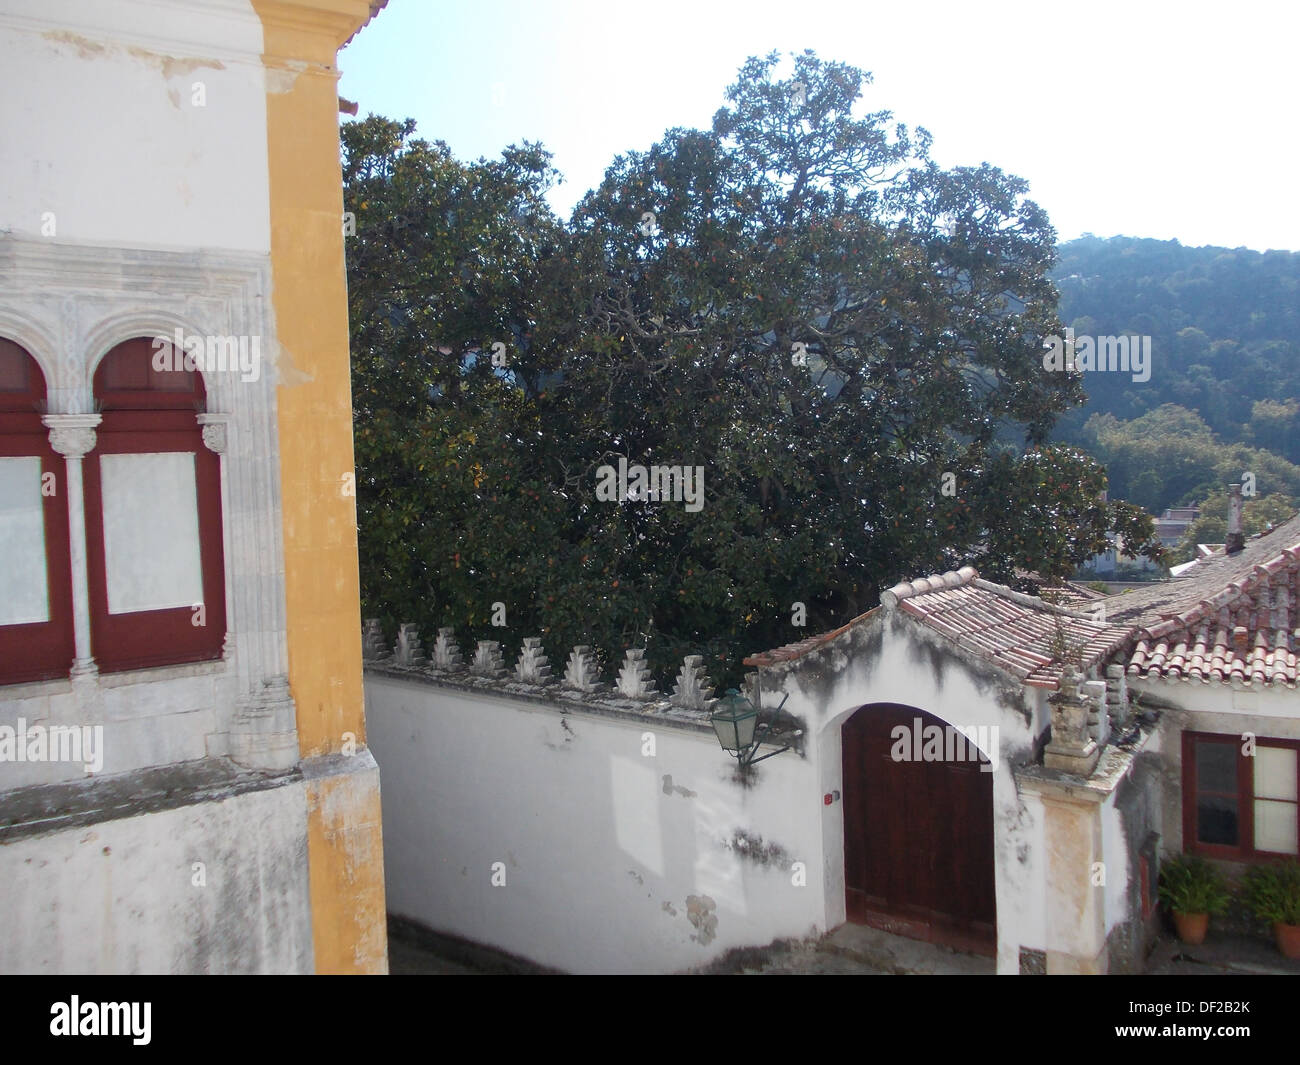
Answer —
920 296
1273 891
1171 457
1223 324
1257 516
1189 884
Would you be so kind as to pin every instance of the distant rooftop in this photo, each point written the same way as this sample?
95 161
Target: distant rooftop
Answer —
1233 618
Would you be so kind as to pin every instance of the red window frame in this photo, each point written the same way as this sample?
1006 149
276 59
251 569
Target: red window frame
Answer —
146 410
1244 793
39 650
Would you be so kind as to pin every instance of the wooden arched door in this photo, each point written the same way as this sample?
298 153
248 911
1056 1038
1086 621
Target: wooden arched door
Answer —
918 834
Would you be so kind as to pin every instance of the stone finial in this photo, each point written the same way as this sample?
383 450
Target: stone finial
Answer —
1094 693
1069 683
1071 748
409 652
581 673
1117 696
446 653
634 678
692 690
488 661
533 666
373 647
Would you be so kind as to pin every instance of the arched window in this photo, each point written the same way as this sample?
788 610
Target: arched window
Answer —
153 518
36 630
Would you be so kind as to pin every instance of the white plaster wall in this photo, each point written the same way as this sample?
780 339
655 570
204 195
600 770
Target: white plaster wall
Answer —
891 660
99 126
1114 849
600 849
119 897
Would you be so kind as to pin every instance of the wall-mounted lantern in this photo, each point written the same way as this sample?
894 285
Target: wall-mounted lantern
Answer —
741 733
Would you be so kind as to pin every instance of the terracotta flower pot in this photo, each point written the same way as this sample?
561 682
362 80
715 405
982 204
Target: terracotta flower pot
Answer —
1288 939
1192 927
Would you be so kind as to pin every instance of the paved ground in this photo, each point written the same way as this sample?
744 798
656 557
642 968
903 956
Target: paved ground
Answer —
1220 955
851 950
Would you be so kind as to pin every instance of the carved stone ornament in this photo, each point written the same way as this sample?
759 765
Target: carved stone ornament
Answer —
214 437
72 435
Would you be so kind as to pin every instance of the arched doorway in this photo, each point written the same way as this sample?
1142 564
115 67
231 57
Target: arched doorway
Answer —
918 831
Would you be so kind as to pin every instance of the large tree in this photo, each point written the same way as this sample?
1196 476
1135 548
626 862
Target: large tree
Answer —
845 338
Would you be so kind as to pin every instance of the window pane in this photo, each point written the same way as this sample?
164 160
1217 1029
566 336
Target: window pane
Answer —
14 363
1275 826
1275 773
1216 766
151 531
1216 820
24 596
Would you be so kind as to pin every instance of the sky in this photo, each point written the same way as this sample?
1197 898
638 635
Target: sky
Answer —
1149 118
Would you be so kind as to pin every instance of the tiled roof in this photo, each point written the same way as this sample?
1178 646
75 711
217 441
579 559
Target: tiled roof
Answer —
376 6
1020 634
1167 599
790 651
1236 619
1059 593
1241 629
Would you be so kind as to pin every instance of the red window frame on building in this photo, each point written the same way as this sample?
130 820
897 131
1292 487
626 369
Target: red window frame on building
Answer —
39 650
1243 793
144 411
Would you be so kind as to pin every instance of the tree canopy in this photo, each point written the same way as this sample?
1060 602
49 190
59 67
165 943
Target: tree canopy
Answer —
843 338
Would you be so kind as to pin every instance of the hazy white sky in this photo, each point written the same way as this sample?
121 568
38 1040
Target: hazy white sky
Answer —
1150 118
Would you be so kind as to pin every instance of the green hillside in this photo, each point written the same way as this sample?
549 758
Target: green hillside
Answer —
1224 392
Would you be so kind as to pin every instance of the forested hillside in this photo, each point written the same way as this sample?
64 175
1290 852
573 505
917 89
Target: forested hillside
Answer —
1224 391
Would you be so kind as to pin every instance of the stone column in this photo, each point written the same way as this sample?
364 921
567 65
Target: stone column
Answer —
1075 866
73 436
215 438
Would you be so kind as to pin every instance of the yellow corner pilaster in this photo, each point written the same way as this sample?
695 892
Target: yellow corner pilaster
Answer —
322 596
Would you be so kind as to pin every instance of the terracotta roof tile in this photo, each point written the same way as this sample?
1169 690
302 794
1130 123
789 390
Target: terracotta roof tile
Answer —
1015 632
1242 632
1237 619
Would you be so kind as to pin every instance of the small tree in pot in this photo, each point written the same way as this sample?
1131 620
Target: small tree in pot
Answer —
1273 892
1192 890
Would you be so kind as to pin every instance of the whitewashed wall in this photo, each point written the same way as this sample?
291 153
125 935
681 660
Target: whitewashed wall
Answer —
607 853
121 897
890 659
101 127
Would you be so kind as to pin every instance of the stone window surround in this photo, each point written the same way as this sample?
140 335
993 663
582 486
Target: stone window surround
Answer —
68 306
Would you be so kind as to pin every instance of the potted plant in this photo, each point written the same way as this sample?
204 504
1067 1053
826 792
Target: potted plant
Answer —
1273 893
1192 889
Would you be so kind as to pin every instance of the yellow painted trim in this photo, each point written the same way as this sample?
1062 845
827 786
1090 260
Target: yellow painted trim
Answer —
314 400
